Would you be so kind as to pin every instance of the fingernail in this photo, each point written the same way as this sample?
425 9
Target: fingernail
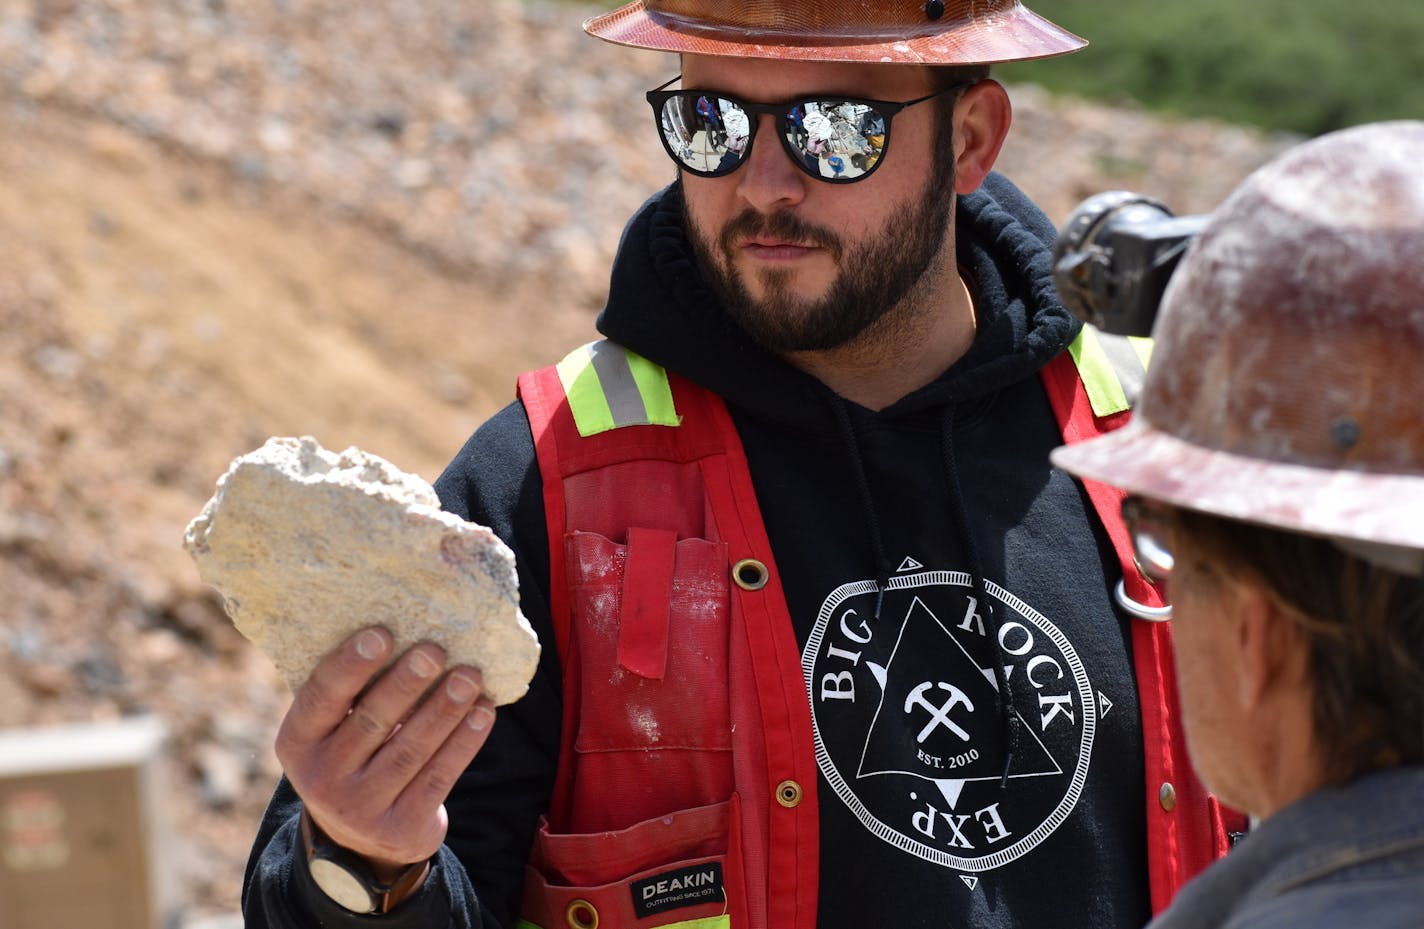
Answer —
369 645
422 665
481 717
460 688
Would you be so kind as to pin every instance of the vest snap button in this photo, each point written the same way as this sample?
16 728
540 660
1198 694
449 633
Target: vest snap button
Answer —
750 574
788 794
580 914
1167 796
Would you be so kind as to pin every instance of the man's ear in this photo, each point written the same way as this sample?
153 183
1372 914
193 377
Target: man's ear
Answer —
981 122
1271 649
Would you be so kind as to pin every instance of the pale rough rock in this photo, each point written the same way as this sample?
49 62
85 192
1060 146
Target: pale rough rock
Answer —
307 546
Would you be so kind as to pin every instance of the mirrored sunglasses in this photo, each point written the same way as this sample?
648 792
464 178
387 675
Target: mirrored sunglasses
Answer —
835 139
1150 547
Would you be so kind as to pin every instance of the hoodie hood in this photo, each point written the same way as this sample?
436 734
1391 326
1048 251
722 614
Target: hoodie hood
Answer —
660 307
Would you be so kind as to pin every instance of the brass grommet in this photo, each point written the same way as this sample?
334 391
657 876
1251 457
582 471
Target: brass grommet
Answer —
788 794
580 914
750 574
1167 796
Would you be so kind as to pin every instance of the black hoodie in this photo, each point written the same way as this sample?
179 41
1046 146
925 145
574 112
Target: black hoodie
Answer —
971 685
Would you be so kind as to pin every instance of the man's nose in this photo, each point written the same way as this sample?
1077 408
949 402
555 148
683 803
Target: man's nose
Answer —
767 179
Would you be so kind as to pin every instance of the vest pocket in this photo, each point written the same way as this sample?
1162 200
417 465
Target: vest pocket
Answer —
648 649
680 870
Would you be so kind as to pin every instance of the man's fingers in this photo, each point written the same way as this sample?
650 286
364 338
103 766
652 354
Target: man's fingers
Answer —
406 755
435 781
402 788
323 702
388 702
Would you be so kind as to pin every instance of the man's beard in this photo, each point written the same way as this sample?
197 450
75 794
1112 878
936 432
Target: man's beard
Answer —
872 279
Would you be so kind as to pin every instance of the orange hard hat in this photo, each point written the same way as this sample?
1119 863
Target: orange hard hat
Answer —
1286 385
928 32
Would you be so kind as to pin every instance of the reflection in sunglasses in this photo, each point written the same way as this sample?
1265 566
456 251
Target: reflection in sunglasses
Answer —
836 139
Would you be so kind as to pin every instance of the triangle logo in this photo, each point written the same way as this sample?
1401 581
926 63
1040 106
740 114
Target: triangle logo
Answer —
939 716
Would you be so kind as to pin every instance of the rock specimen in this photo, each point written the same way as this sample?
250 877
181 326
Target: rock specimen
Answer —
307 546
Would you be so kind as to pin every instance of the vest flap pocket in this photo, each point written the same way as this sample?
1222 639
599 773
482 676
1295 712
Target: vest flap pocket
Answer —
649 632
683 869
601 857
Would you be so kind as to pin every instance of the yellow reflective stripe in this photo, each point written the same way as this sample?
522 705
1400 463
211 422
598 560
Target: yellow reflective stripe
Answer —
707 922
609 387
1112 368
1104 392
1142 345
656 392
585 393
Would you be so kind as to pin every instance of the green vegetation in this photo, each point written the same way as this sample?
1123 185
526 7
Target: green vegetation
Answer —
1308 66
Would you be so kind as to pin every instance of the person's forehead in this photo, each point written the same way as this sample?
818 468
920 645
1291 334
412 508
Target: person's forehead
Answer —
774 80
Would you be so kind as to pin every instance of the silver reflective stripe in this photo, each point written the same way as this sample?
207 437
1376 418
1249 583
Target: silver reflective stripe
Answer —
1126 364
625 401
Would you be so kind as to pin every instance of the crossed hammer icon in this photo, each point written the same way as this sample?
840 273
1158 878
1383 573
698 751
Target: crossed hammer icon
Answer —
939 715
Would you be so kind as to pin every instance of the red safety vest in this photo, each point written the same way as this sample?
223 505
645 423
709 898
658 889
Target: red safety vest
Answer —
653 525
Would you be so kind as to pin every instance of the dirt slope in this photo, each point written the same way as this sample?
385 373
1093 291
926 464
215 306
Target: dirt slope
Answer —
160 319
165 307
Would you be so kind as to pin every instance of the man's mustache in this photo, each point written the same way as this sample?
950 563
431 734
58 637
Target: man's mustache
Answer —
780 225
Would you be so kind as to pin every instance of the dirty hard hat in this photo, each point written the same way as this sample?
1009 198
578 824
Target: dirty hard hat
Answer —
930 32
1286 386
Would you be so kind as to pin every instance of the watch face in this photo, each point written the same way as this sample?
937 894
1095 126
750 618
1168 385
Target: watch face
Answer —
341 885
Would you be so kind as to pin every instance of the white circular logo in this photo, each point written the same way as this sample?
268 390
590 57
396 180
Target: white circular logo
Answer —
910 726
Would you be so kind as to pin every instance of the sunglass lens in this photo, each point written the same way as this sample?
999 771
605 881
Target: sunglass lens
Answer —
839 140
1150 548
706 133
1152 554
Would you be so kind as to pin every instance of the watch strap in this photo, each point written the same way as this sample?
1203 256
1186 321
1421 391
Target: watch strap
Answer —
348 879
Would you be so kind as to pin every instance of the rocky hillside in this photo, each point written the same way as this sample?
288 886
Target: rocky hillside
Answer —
222 220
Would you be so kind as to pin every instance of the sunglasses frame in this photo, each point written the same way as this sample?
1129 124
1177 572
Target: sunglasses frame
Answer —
886 109
1141 521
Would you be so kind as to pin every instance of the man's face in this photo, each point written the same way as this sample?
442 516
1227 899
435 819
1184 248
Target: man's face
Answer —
803 265
1220 739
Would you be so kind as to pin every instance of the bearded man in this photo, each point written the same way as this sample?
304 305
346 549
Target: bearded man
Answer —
827 641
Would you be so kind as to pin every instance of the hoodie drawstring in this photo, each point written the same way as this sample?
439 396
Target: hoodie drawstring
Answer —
1007 720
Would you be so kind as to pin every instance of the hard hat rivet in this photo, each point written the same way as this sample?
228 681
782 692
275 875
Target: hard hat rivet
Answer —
934 9
1345 432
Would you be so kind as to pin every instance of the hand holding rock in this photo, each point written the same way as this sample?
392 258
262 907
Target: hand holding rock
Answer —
374 753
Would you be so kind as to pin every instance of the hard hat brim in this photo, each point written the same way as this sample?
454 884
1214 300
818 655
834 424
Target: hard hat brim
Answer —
1013 34
1369 506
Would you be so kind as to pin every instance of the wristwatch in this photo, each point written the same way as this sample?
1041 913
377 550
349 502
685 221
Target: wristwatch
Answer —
347 878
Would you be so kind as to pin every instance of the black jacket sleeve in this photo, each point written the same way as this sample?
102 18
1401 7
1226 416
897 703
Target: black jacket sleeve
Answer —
478 876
